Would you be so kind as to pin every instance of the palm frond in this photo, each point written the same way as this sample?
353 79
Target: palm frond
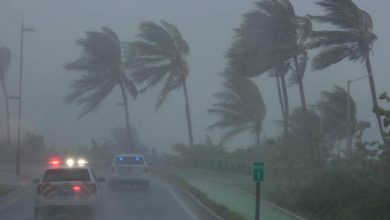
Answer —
329 38
180 43
156 35
330 56
101 53
159 55
90 97
240 107
102 70
341 13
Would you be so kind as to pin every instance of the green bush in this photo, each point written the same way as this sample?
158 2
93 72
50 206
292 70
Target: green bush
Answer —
339 195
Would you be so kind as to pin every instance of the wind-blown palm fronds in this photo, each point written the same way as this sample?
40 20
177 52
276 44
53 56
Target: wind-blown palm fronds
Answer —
240 108
160 56
102 71
352 39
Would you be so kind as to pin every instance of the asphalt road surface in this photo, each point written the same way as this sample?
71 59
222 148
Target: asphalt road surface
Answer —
161 203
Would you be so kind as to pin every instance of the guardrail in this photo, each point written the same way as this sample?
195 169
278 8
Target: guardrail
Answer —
212 164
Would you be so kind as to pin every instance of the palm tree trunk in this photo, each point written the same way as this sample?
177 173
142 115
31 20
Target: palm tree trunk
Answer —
302 94
283 110
188 115
257 139
300 84
280 95
286 108
7 112
126 108
375 100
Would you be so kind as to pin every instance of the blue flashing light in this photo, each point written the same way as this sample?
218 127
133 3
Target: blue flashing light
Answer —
137 158
121 158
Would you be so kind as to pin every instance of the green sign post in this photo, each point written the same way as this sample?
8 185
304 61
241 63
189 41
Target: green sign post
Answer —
258 171
258 177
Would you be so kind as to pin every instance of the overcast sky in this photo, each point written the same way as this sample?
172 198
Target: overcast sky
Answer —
206 25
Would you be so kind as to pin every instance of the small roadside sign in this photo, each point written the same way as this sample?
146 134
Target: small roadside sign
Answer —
258 177
258 171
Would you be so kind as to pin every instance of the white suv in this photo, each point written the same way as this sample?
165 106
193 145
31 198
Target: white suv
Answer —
129 169
67 190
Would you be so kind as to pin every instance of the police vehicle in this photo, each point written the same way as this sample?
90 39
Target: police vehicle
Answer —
129 169
69 189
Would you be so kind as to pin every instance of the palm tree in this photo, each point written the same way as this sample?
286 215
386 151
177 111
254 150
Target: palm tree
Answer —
241 108
333 111
160 55
102 71
5 60
353 40
272 37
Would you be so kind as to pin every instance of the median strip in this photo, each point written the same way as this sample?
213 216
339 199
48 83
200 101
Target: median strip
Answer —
214 210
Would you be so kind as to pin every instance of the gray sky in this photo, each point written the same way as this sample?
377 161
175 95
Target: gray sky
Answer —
206 25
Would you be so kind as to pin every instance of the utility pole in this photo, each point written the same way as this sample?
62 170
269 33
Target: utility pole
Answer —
22 30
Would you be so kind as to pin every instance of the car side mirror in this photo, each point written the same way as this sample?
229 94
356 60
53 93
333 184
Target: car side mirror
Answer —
36 181
101 179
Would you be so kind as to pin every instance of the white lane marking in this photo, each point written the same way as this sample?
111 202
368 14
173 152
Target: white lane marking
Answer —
181 203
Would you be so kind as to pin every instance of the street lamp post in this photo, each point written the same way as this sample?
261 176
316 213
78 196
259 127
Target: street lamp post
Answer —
349 132
22 30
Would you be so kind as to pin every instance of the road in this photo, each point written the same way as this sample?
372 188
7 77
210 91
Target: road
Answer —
161 203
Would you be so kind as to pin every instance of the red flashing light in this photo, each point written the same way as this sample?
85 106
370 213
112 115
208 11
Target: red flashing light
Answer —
76 188
54 162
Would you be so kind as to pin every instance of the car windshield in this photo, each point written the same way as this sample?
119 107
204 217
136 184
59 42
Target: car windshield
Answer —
59 175
129 160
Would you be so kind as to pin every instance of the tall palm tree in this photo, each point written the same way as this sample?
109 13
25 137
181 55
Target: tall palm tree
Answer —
241 108
5 60
161 56
102 71
352 39
271 37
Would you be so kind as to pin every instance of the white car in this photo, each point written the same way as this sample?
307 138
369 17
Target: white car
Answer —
129 169
67 190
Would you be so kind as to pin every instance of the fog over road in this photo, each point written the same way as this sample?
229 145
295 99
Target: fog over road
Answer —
161 203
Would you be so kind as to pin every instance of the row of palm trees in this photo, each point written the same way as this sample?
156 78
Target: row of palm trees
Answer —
158 56
272 39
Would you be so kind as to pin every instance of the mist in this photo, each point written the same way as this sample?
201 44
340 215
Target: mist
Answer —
208 29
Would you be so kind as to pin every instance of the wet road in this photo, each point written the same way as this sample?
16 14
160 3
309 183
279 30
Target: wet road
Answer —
161 203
